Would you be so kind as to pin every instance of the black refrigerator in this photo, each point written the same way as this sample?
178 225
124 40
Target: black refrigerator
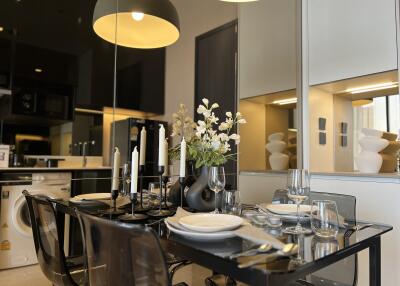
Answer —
127 137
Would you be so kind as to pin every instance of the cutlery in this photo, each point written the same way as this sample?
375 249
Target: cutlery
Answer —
253 251
357 228
287 250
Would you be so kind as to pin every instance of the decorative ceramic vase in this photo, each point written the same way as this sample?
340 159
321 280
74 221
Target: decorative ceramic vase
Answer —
369 160
277 159
197 194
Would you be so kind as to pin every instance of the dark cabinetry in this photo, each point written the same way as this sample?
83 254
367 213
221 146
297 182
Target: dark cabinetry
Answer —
52 43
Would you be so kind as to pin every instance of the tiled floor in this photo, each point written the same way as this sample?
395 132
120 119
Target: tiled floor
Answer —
24 276
193 275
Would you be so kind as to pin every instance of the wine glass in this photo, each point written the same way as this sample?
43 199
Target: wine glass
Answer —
216 182
298 187
126 179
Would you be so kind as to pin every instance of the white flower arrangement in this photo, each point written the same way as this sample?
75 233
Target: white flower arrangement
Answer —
208 141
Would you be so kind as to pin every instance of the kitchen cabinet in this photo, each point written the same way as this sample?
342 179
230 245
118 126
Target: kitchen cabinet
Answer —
267 47
50 43
351 38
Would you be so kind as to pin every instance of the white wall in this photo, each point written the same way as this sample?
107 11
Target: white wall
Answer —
321 106
196 18
267 47
377 200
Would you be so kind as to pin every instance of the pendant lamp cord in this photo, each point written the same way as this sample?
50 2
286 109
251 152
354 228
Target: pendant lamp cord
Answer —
115 81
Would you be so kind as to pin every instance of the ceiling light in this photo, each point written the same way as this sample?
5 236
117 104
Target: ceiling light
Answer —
38 70
373 87
285 101
155 26
137 16
361 102
1 29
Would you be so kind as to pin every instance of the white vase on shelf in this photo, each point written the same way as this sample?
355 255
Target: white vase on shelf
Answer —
277 159
369 160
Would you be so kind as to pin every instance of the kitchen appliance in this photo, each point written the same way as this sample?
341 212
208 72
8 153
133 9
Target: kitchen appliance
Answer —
127 137
16 241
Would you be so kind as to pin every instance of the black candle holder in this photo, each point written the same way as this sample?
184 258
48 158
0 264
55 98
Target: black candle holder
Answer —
182 186
140 208
161 212
113 211
133 217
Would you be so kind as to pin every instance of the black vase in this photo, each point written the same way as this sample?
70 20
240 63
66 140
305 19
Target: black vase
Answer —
198 196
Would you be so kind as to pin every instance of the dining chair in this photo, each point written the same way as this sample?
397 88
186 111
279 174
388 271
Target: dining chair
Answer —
344 272
122 254
58 268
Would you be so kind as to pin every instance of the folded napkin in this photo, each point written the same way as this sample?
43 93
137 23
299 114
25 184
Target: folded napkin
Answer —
246 230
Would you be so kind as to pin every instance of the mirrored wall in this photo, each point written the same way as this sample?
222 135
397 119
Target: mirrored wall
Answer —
353 86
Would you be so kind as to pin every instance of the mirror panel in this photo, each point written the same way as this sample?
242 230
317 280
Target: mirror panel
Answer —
267 85
353 78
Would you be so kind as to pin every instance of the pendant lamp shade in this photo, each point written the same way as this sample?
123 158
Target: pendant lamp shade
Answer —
142 24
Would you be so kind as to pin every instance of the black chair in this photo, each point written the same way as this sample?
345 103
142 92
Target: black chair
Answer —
122 254
49 248
344 272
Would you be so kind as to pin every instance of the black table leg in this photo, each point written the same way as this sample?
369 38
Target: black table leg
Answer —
375 263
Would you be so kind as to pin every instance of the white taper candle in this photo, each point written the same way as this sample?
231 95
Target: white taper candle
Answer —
134 171
117 162
161 146
182 163
166 158
142 150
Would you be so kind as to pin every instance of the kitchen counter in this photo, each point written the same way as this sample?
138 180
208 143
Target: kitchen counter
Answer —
336 174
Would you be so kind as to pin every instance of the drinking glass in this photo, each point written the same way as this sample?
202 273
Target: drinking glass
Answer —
324 218
216 182
126 179
298 187
231 202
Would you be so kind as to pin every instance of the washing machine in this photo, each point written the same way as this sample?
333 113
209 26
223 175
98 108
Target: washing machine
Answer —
16 240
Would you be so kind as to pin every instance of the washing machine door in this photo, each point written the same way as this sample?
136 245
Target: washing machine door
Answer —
20 217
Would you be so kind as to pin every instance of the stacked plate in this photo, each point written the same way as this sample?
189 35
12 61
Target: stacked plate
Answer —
91 197
287 212
205 226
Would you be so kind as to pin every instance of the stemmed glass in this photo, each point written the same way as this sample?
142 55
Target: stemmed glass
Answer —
298 186
216 182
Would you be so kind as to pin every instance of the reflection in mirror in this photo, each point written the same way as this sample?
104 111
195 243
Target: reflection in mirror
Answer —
267 85
354 93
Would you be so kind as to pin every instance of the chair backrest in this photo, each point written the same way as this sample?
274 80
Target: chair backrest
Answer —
122 254
343 272
346 204
46 234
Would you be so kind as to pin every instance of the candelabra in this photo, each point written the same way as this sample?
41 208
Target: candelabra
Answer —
161 212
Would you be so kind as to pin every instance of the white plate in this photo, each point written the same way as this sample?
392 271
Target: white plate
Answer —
203 236
288 209
95 196
210 222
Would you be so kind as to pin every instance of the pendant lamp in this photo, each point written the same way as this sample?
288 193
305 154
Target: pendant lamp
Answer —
142 24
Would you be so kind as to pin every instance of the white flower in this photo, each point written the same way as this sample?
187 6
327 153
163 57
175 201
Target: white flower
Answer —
223 137
207 113
213 118
242 121
215 145
198 134
235 137
225 148
223 126
205 101
228 114
201 109
238 115
214 105
201 127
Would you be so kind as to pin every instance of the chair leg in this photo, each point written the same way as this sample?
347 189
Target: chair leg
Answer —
176 267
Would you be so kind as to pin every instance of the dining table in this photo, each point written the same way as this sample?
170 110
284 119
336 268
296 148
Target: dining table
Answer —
215 254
